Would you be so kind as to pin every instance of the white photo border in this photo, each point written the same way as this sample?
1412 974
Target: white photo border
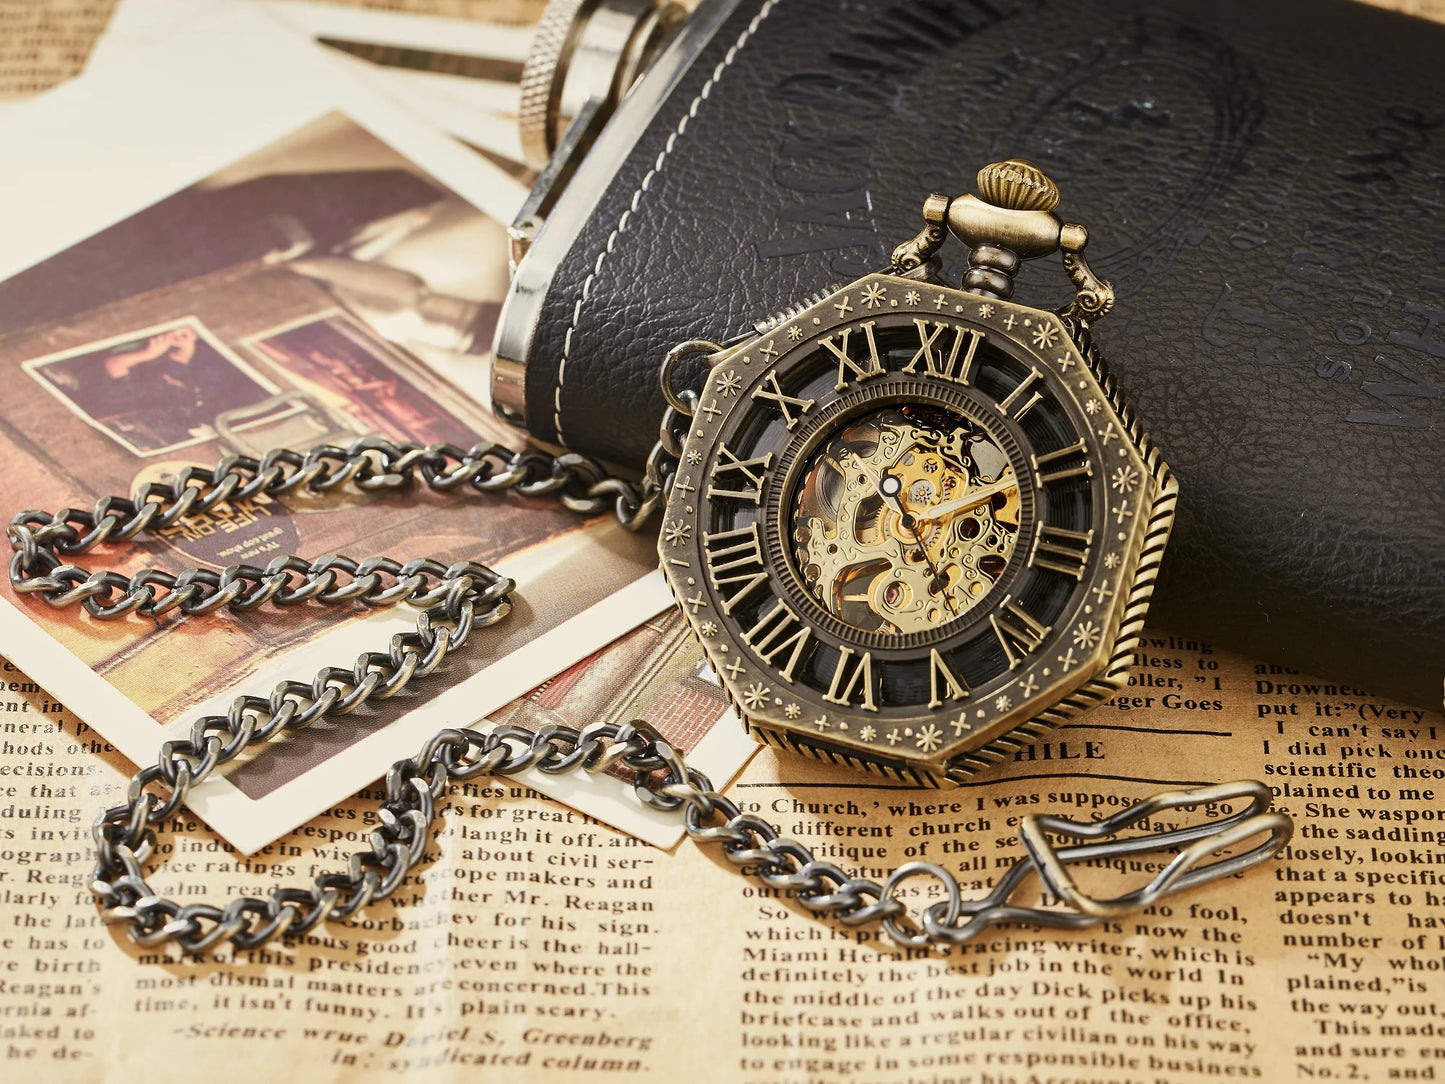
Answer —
34 366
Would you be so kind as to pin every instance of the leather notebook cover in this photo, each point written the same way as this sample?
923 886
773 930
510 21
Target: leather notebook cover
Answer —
1263 182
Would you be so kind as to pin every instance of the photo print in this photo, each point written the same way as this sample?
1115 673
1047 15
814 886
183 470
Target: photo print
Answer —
336 279
156 390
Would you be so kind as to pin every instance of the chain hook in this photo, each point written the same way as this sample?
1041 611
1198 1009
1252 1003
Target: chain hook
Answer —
675 399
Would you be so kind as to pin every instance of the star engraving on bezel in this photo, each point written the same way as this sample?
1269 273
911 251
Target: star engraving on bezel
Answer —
1045 336
756 695
1125 479
745 478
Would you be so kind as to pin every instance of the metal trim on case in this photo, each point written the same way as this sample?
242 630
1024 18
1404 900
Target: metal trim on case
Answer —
522 309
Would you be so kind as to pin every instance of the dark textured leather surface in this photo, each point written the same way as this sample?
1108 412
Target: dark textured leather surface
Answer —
1264 182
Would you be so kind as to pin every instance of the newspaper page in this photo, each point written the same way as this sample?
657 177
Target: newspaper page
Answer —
44 43
540 945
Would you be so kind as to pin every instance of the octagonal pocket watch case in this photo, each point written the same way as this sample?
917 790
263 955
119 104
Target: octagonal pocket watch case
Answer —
913 524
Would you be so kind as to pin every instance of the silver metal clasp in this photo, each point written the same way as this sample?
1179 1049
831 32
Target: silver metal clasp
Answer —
953 920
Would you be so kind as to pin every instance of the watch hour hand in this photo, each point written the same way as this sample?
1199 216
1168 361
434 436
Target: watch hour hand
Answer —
969 501
890 487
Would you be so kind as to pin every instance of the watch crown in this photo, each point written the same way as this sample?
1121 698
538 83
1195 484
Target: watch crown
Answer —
1017 185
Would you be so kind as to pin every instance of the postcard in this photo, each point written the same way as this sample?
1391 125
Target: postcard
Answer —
154 390
244 264
185 107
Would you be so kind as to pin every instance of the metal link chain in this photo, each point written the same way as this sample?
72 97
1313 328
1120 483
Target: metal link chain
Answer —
41 539
125 838
457 599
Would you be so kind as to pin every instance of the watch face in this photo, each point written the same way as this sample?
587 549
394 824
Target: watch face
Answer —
903 518
906 522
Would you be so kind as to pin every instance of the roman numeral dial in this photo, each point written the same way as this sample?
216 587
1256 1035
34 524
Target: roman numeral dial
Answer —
942 681
733 476
1062 464
1024 397
735 564
945 350
1018 630
911 513
853 682
779 634
1061 550
861 363
792 407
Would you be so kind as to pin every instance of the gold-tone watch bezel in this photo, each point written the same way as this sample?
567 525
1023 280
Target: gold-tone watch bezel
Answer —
1086 655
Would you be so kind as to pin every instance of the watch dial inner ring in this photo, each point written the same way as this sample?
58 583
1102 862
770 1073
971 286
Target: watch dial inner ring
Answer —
889 584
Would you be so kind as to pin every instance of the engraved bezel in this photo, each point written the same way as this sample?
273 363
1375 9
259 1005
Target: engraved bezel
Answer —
1086 651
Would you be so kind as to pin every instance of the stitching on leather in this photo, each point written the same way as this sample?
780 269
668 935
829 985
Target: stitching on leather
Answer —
645 184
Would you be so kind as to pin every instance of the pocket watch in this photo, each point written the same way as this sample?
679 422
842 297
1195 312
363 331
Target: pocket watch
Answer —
913 523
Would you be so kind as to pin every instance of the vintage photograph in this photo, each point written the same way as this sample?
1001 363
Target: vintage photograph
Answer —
356 380
656 673
308 292
154 390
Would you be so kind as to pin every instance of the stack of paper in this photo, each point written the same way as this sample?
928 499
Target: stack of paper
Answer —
225 237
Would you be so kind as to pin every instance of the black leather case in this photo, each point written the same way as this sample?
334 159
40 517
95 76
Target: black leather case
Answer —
1263 182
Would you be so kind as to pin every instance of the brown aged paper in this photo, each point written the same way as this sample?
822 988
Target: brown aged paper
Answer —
540 946
43 42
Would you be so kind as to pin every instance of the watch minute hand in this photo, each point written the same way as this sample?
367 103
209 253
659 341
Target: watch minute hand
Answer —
970 501
889 487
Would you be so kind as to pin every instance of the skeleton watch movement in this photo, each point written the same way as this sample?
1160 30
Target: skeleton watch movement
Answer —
913 524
